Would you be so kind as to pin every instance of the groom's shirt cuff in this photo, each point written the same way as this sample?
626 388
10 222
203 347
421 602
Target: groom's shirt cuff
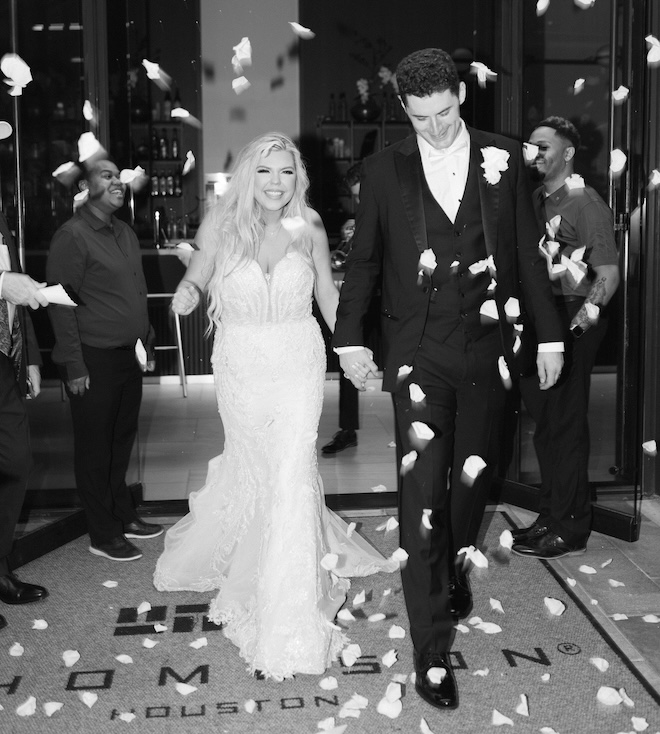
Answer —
551 347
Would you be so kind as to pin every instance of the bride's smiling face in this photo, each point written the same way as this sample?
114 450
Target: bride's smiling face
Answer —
275 180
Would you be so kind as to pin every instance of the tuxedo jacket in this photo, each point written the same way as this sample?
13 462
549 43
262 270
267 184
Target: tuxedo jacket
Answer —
31 354
391 233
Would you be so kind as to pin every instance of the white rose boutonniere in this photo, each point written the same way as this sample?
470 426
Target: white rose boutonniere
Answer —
496 160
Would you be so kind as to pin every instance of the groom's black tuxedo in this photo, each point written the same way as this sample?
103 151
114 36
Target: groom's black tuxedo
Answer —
433 324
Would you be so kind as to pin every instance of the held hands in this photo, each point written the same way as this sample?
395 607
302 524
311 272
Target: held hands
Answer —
34 380
21 290
78 385
357 366
186 298
549 365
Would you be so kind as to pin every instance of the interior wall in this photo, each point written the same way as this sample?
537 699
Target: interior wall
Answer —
273 101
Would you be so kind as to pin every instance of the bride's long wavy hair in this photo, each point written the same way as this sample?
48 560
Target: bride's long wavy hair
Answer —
239 217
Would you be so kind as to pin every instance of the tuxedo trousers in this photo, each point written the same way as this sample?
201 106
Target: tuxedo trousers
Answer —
105 422
463 406
349 407
561 436
14 456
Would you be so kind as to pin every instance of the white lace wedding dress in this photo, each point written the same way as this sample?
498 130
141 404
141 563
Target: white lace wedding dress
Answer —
259 529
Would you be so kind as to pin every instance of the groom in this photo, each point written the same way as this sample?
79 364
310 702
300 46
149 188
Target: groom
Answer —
446 223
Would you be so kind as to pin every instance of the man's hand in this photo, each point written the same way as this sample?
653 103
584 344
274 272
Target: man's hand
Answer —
549 365
78 385
21 290
186 298
34 380
150 366
357 366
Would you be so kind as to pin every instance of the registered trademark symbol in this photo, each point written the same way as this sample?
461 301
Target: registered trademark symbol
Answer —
568 648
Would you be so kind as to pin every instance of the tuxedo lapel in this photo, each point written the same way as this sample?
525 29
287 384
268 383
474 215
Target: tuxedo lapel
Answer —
489 195
409 173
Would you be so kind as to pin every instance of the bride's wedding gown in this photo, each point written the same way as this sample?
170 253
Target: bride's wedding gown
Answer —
259 531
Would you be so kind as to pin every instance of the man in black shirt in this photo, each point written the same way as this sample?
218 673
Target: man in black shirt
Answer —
97 345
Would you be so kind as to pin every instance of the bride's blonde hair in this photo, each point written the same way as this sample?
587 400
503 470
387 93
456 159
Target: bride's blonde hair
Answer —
239 226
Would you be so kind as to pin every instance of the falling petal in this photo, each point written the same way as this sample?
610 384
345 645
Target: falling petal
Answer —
399 555
653 56
617 161
474 555
594 602
573 182
329 561
523 707
389 658
650 447
5 130
427 260
542 6
426 519
66 168
189 163
377 617
416 393
184 689
530 151
609 696
17 72
489 310
161 78
482 265
379 488
294 224
484 74
349 530
180 113
27 708
89 111
88 698
600 663
52 707
199 643
621 94
422 431
473 466
651 618
391 445
132 176
390 524
243 51
496 605
503 369
125 659
499 719
144 608
149 643
301 31
89 147
619 617
654 178
585 4
16 650
110 584
554 606
70 657
606 563
408 461
240 84
578 85
396 632
404 371
614 584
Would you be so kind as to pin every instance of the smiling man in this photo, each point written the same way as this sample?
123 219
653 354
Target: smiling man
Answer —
447 198
97 258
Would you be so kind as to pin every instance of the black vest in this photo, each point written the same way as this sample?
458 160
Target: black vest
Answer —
456 294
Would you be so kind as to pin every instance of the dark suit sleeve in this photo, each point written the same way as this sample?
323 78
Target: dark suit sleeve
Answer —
32 346
363 267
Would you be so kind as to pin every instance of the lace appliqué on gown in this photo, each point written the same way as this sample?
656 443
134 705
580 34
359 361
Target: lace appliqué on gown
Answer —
258 529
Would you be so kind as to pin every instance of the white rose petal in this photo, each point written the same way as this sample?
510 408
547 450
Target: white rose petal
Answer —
489 628
125 659
530 151
127 716
495 162
360 598
578 85
475 555
301 31
619 617
542 6
600 663
88 146
585 4
512 308
639 723
377 617
436 675
144 608
396 632
199 643
70 657
473 466
416 393
16 650
390 709
379 488
243 51
399 555
482 673
345 615
52 707
618 160
250 706
609 696
496 605
160 627
620 94
651 618
422 431
149 643
17 72
350 654
424 728
653 56
489 310
39 624
240 84
626 698
110 584
27 708
650 448
587 569
461 628
389 658
349 530
523 707
614 584
404 371
547 730
329 561
499 719
184 689
484 74
329 683
408 461
506 539
570 581
654 178
88 698
574 182
554 606
426 519
545 677
189 163
427 260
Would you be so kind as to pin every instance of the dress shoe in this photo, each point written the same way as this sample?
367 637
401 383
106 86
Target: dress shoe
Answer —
140 529
460 596
548 546
117 549
522 535
3 622
341 440
13 591
443 694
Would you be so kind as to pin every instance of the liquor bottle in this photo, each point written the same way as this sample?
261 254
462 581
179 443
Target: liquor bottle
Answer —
167 106
178 190
170 183
155 186
162 184
175 145
163 146
343 108
155 146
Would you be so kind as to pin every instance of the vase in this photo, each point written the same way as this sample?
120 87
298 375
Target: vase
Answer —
365 111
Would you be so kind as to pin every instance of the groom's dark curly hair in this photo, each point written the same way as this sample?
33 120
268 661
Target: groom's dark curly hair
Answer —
422 73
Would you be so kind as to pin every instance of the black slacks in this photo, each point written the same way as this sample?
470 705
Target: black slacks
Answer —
14 457
349 407
463 407
105 421
561 437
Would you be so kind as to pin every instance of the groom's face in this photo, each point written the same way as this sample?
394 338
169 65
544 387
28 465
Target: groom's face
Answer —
436 118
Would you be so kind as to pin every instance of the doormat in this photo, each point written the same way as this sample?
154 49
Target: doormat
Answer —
98 659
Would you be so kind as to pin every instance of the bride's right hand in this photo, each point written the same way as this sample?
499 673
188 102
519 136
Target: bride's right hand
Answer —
186 298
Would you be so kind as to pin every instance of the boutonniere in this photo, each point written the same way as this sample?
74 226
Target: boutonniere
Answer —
496 160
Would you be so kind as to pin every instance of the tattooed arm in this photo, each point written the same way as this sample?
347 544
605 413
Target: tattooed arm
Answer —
603 288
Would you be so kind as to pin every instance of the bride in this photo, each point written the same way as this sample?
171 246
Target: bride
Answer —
259 531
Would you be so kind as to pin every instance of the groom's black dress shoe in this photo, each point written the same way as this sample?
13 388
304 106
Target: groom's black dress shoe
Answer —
522 535
341 440
13 591
442 695
547 547
3 622
460 596
140 529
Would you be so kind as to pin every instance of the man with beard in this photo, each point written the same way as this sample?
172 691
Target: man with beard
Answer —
97 258
582 261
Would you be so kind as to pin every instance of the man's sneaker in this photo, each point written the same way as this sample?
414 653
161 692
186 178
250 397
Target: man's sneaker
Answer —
140 529
117 549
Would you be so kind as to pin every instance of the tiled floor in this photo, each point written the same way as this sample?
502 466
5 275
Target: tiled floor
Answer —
178 436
